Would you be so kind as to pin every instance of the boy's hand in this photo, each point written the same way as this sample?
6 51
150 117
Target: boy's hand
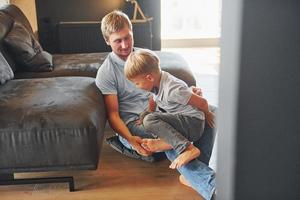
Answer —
136 143
197 90
142 115
139 122
210 119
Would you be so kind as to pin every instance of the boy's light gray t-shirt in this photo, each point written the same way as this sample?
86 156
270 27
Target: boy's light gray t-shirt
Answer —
173 95
110 79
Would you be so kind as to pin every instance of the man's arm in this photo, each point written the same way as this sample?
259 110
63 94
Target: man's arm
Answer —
151 104
117 124
201 103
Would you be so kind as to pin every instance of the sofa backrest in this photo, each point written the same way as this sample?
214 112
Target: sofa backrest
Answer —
6 23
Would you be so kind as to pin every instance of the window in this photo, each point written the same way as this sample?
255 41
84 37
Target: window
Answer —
190 19
3 2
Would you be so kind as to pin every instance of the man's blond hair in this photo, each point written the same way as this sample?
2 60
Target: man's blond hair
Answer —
114 22
141 62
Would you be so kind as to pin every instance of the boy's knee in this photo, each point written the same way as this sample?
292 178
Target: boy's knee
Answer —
149 120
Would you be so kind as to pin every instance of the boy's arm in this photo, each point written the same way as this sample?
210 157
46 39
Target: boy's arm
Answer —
197 90
151 108
201 103
117 124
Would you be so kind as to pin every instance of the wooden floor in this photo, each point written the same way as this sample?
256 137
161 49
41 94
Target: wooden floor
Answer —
116 178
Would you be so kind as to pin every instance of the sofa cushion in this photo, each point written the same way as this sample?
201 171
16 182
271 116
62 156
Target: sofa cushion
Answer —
27 50
6 72
88 62
6 24
50 124
83 64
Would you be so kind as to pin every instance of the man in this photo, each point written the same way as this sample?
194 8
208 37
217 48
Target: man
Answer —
124 102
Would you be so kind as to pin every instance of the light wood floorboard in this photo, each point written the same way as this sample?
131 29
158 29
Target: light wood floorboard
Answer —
116 178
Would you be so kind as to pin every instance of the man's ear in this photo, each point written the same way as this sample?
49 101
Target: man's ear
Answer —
107 42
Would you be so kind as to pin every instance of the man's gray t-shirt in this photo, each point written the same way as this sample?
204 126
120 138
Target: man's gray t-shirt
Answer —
173 96
110 79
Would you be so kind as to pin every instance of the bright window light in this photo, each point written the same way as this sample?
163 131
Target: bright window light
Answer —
190 19
3 2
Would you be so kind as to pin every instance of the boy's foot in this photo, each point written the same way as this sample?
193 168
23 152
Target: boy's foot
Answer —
183 181
115 143
156 145
190 153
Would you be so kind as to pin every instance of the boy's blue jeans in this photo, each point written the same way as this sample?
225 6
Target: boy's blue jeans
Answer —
197 173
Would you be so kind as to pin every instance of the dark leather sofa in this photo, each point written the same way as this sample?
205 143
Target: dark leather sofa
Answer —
55 120
48 121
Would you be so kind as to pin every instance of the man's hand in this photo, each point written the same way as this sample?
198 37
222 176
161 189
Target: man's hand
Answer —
210 119
196 90
136 143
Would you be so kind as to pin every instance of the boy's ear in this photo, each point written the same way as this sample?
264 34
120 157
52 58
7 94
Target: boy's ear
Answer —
149 77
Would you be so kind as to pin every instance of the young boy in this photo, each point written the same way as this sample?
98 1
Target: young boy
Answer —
184 119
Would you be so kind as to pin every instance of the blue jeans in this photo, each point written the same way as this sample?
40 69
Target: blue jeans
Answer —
207 140
197 173
201 177
205 143
175 129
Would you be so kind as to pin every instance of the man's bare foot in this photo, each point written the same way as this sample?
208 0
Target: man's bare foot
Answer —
183 181
155 145
190 153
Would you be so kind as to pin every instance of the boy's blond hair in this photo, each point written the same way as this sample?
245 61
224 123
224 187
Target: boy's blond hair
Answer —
114 22
141 62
